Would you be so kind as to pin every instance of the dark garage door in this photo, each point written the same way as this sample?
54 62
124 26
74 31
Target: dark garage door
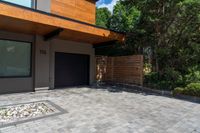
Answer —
71 70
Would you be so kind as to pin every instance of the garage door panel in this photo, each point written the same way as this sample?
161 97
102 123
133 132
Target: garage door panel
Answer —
71 70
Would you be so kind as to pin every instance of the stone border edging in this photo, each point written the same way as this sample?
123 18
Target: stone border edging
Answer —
162 92
170 94
60 112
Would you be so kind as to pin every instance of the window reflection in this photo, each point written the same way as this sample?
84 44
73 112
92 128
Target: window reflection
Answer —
26 3
15 58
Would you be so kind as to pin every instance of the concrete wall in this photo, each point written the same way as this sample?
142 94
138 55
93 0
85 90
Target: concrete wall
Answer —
71 47
10 85
44 5
42 60
45 59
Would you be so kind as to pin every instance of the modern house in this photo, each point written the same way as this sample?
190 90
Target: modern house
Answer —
49 44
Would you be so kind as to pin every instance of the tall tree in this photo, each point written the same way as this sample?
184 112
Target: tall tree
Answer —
121 20
168 31
168 27
102 17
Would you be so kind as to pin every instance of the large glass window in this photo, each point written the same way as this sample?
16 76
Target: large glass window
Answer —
15 59
26 3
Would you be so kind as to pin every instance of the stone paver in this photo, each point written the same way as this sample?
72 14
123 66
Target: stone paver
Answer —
100 111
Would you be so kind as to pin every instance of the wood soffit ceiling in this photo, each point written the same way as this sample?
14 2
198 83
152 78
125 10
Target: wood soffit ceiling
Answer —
24 20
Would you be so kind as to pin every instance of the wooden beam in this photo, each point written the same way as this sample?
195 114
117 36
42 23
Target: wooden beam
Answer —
52 34
25 20
104 44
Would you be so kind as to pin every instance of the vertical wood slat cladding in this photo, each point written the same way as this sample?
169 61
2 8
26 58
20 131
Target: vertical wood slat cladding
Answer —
82 10
123 69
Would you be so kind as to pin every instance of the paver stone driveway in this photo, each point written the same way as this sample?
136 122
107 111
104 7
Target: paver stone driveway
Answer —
91 110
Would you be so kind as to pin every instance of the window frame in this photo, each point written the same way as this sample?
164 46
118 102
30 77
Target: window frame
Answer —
34 4
31 59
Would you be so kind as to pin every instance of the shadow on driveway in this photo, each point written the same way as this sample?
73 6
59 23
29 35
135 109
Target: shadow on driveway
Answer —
118 88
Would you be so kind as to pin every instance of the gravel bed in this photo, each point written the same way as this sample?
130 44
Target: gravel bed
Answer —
9 113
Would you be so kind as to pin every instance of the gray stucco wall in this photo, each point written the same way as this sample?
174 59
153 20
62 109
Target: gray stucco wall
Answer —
10 85
44 5
71 47
44 61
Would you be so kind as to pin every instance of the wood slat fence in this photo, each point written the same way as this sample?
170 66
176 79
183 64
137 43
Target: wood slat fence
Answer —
121 69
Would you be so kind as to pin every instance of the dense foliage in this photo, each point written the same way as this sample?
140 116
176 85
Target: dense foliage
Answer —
102 17
192 89
166 32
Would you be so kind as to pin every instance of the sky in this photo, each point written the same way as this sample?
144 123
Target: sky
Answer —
107 3
101 3
26 3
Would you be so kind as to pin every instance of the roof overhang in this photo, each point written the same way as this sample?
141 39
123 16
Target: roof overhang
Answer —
24 20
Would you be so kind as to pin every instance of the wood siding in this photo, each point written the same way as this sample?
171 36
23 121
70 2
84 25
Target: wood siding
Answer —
83 10
123 69
21 20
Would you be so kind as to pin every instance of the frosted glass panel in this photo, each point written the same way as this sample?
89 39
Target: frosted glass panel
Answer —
15 58
27 3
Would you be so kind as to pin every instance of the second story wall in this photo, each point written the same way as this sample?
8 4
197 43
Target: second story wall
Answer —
44 5
82 10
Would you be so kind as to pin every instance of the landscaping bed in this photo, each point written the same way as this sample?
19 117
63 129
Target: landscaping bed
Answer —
192 89
25 112
21 111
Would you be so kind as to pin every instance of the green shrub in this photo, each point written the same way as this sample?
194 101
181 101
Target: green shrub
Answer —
166 80
169 78
192 89
152 77
178 90
172 79
193 86
170 74
193 76
151 80
166 85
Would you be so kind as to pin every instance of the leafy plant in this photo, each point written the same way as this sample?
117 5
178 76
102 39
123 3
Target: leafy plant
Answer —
193 75
167 80
192 89
102 17
166 33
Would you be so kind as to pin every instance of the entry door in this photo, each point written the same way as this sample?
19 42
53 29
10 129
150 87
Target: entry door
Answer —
71 70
